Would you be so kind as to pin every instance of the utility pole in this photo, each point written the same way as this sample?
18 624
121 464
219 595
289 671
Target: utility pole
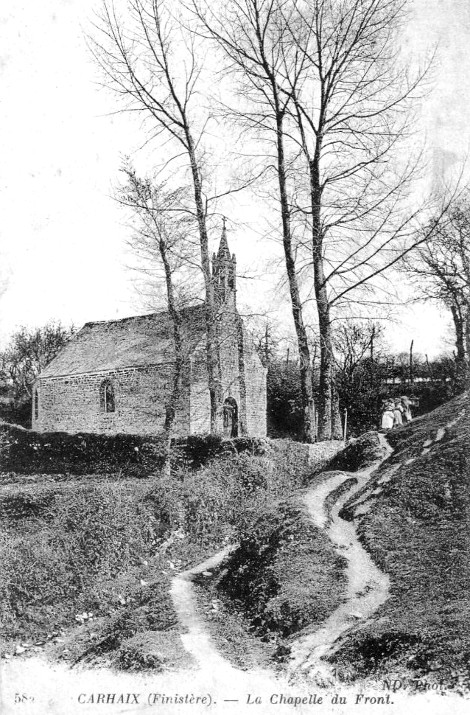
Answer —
429 368
411 363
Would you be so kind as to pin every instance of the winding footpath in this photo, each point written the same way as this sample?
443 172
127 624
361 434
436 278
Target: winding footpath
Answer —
231 689
196 639
367 586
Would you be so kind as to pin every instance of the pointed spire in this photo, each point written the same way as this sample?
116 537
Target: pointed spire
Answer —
224 251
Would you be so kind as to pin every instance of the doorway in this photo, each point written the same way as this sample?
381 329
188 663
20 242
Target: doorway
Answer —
230 414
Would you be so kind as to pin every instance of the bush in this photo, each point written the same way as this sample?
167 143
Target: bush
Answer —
18 413
199 449
358 454
27 452
286 573
137 653
52 568
284 396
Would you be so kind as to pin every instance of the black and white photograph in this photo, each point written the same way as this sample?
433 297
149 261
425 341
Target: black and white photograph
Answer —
235 357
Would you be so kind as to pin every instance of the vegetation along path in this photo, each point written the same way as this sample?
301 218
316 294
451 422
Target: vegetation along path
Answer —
367 586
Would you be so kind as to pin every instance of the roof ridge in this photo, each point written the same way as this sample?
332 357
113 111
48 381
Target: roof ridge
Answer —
138 340
142 315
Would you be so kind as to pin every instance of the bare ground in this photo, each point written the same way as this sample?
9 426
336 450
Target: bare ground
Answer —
367 586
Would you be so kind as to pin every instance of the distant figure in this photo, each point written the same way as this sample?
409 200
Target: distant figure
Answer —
397 413
387 416
406 404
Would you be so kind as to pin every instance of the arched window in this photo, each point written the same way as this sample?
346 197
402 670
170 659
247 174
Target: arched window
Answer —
36 404
107 396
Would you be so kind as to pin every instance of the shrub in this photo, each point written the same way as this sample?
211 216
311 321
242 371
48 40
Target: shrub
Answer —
51 568
285 574
137 653
199 449
27 452
359 453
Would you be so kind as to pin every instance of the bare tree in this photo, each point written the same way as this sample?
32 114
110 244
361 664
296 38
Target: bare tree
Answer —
254 36
358 347
153 63
356 341
351 112
321 81
28 352
437 276
456 232
440 270
163 232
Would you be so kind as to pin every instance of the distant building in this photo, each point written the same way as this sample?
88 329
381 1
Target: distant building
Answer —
115 376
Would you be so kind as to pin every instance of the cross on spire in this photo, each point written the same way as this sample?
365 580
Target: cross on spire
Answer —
224 251
224 270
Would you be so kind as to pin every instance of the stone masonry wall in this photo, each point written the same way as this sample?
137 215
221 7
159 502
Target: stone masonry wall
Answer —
199 398
72 404
253 384
256 392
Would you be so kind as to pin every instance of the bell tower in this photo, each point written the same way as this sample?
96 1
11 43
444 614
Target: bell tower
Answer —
224 274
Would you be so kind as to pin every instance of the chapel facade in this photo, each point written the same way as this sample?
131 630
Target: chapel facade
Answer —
115 376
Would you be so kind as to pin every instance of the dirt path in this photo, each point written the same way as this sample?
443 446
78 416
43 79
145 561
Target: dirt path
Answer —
196 639
58 689
367 586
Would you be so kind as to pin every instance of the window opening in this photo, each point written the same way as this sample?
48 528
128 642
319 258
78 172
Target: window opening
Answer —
107 396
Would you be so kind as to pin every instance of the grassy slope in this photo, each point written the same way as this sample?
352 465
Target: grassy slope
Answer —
82 545
68 548
285 576
85 548
417 529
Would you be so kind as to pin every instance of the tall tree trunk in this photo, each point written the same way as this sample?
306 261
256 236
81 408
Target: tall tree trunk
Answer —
467 340
336 424
325 415
212 348
326 361
308 425
461 344
459 333
465 256
172 402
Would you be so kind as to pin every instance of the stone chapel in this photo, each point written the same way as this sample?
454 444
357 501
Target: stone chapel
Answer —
114 376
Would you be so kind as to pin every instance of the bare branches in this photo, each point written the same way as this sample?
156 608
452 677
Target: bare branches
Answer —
136 56
253 35
139 60
320 89
440 267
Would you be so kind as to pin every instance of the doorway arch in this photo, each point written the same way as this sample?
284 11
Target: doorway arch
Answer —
230 416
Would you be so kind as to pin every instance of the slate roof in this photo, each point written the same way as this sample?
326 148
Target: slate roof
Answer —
132 342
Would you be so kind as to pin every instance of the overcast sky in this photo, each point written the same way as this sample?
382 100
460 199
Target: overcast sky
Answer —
62 238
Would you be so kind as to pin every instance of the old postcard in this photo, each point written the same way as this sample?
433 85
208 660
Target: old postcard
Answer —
234 357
